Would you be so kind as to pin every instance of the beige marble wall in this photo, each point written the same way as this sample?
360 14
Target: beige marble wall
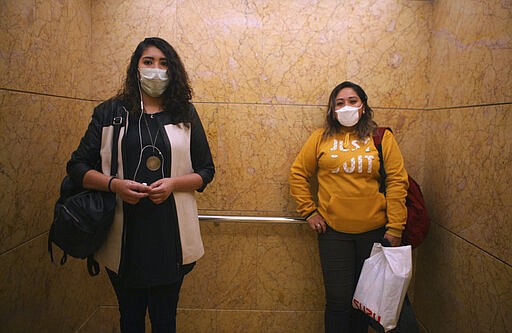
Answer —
279 52
463 280
239 286
44 87
464 267
40 297
46 47
461 288
40 132
471 61
470 186
262 72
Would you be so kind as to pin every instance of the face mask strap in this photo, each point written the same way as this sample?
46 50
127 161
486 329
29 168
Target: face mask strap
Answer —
140 92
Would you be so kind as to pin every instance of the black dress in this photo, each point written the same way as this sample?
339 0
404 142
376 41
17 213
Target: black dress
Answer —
151 231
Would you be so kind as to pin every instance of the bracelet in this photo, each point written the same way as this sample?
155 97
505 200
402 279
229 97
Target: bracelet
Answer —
310 214
110 182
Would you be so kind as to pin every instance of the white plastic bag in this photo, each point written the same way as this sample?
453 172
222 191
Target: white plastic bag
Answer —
383 284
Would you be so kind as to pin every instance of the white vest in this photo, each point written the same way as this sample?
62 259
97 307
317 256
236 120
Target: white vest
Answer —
192 248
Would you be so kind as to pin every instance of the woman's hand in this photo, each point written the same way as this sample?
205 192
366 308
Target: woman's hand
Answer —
394 241
160 190
130 191
317 223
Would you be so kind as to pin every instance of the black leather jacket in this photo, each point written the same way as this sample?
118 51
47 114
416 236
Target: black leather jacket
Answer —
94 152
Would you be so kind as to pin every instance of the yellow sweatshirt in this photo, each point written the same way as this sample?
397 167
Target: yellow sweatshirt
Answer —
347 173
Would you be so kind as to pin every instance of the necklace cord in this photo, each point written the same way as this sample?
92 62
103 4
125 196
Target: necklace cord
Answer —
152 145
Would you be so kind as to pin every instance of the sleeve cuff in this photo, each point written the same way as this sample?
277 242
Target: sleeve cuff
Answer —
394 232
310 215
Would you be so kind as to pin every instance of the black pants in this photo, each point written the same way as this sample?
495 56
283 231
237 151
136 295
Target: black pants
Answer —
160 301
342 256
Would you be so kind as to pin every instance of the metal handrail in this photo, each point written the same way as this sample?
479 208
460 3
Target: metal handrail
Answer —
244 218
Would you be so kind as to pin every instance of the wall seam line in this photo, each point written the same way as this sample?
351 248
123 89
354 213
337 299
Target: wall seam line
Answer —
271 104
476 246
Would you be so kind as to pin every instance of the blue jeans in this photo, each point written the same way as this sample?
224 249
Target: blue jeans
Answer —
342 256
160 301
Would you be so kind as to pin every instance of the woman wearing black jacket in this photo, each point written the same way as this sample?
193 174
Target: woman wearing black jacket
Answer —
163 158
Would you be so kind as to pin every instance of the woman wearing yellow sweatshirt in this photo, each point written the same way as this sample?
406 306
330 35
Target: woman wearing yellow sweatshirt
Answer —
348 212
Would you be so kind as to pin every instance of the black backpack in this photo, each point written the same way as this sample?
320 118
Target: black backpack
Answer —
82 218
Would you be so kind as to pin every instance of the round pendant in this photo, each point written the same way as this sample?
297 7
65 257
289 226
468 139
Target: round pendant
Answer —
153 163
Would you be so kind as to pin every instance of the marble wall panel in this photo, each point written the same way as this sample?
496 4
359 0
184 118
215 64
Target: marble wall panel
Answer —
38 296
39 134
463 270
196 320
255 146
298 50
255 276
118 26
272 322
255 266
224 277
461 288
471 53
103 319
381 45
222 44
219 321
274 52
470 188
45 47
289 276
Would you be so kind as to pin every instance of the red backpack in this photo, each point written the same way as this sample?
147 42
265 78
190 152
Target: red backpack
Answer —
418 221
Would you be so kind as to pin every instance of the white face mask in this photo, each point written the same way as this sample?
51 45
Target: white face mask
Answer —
153 81
348 115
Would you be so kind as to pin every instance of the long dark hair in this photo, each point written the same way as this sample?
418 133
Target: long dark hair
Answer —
176 98
364 127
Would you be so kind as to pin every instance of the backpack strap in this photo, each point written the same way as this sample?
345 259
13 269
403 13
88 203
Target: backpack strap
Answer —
118 120
93 267
378 133
50 245
64 257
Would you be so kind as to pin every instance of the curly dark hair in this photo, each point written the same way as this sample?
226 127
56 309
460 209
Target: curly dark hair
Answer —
364 127
176 97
